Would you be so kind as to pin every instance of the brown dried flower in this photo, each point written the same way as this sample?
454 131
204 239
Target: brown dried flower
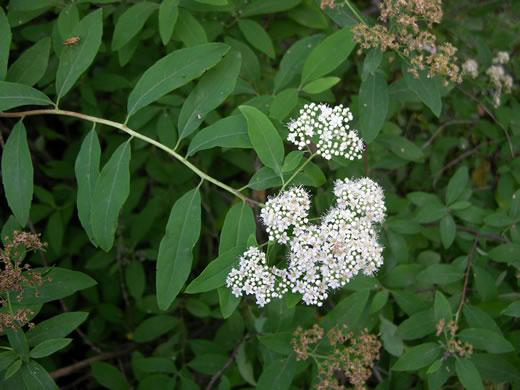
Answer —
15 278
351 357
406 28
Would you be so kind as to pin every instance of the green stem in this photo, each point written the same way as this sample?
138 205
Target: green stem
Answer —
298 171
135 134
347 2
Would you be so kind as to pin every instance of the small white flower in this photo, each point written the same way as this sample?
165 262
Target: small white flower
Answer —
328 128
501 58
470 67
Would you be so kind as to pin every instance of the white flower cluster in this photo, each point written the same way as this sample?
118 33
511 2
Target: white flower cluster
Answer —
328 128
502 83
284 211
321 257
254 277
470 67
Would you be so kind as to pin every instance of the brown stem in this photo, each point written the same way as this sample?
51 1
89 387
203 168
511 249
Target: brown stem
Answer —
85 363
473 231
437 132
470 261
215 377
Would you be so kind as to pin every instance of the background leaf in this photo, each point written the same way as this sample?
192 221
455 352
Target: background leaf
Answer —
175 257
213 88
110 192
87 172
168 13
322 61
425 88
30 67
17 173
5 42
373 105
75 59
264 137
173 71
131 22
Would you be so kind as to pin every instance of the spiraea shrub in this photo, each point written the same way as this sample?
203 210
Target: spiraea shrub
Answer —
259 194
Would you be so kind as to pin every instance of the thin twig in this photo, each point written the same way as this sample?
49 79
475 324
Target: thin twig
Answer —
215 377
85 363
135 134
472 231
83 336
450 123
470 261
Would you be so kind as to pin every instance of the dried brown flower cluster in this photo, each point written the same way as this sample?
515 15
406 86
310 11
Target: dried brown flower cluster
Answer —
406 28
14 277
353 360
327 3
453 346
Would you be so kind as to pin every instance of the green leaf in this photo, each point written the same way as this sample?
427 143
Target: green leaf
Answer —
214 87
320 85
392 343
67 20
154 327
155 365
468 374
292 160
7 358
250 65
30 67
478 318
168 13
16 95
264 137
512 310
440 274
173 71
347 311
441 308
175 251
55 327
379 301
495 368
135 278
110 193
257 36
238 226
486 339
189 30
262 7
457 184
131 22
417 326
17 173
279 342
401 147
208 363
448 230
230 132
75 59
506 253
277 375
372 60
265 178
425 88
398 245
283 104
87 172
13 369
293 60
18 341
36 377
5 43
63 282
215 274
373 106
431 212
409 302
22 5
328 55
228 302
108 376
48 347
418 357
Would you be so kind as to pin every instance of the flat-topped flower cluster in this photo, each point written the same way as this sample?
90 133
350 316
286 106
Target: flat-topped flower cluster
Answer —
321 257
328 128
